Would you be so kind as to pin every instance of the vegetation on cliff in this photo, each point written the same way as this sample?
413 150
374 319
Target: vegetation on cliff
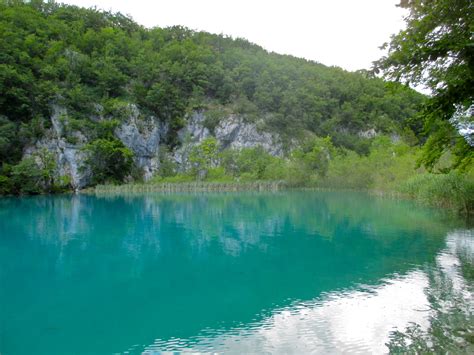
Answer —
95 64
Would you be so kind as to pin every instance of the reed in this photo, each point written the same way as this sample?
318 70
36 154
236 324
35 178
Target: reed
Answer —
195 186
453 191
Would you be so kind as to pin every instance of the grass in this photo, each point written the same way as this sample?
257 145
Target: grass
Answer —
193 186
453 191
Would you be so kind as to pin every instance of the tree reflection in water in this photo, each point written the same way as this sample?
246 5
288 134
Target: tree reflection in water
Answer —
451 297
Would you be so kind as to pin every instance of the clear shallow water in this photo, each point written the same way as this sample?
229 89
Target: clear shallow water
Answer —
281 272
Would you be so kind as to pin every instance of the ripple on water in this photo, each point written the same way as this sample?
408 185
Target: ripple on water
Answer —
342 322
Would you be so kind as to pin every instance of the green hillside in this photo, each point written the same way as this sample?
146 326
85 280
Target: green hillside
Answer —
79 58
94 64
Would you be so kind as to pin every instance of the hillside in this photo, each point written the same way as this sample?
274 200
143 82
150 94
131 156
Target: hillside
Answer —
95 97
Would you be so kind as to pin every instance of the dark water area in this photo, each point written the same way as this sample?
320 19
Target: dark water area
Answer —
284 272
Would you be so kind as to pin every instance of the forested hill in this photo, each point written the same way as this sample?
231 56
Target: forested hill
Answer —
95 63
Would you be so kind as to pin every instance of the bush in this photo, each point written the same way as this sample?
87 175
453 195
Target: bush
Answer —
218 175
109 160
167 165
385 168
275 170
204 156
6 185
27 177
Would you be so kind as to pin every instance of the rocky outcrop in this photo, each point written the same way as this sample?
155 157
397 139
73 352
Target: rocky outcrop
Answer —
195 130
143 135
231 132
69 157
370 133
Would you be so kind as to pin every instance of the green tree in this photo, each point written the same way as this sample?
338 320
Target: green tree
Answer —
7 138
109 161
204 156
318 155
253 162
437 50
27 177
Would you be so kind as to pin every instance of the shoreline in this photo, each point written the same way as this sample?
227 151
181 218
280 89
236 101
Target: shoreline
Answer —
190 187
261 186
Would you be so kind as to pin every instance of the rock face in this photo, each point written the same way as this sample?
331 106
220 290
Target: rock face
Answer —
370 133
194 130
69 157
143 135
231 132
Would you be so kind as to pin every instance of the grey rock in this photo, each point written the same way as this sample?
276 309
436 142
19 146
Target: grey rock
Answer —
194 130
69 157
370 133
142 135
233 132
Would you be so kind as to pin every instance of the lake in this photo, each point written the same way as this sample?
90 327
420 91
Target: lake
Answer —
281 272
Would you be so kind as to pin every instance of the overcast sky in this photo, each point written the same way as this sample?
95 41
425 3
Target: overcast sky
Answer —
345 33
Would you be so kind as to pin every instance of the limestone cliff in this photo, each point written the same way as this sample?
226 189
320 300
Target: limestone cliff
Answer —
144 135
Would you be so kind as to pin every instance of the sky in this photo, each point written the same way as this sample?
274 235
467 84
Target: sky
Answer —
344 33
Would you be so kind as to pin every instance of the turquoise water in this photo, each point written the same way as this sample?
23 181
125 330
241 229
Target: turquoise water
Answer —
267 272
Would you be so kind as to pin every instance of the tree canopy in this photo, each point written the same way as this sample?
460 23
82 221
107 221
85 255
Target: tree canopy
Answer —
94 64
437 50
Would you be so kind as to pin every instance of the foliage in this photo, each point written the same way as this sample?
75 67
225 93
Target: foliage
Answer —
33 175
86 58
218 174
27 177
167 165
453 190
315 155
204 156
451 326
178 178
97 63
436 50
386 166
109 161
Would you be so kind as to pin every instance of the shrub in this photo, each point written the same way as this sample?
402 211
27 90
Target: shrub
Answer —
6 185
27 177
204 156
109 160
218 174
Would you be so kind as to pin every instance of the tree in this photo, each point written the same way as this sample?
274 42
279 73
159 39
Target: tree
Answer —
204 156
109 160
436 50
27 177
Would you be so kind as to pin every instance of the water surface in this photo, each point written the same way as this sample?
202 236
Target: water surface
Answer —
278 272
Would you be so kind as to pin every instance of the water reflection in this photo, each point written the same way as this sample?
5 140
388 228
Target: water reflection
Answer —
353 321
276 272
340 322
451 296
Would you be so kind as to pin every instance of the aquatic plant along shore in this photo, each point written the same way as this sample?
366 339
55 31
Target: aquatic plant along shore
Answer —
191 187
